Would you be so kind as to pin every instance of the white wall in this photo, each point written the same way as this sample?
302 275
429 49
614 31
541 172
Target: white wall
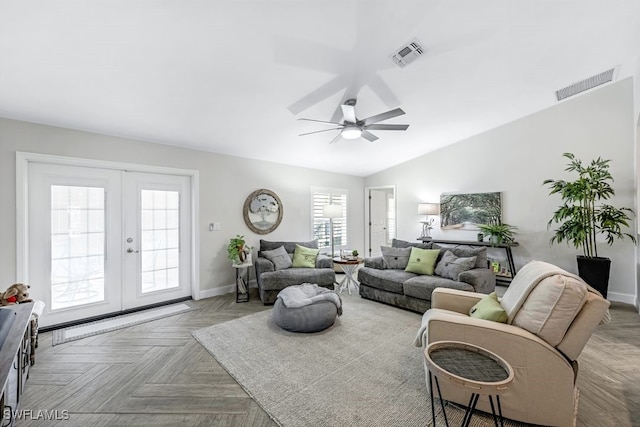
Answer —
225 182
636 115
515 159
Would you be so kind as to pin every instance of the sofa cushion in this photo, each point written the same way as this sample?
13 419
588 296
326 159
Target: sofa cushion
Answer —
466 251
290 247
278 280
422 286
422 261
551 307
395 258
387 280
279 257
304 257
395 243
450 266
489 308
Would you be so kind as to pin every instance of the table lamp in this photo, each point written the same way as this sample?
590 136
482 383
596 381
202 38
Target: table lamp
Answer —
428 209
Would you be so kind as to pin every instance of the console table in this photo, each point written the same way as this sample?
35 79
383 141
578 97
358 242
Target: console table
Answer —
505 246
15 355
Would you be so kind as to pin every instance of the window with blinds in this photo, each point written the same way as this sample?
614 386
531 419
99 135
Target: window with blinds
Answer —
321 225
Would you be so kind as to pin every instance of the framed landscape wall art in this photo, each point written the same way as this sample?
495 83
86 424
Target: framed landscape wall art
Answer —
466 211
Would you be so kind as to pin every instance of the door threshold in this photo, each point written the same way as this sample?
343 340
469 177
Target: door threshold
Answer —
109 315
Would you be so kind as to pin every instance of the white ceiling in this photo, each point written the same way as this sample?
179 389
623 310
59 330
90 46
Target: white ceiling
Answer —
232 77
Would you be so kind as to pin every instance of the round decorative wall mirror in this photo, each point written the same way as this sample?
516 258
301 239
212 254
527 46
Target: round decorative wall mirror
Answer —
262 211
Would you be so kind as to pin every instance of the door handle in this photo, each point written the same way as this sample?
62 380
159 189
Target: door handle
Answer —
131 251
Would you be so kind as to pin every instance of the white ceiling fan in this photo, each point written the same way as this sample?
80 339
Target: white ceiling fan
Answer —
354 128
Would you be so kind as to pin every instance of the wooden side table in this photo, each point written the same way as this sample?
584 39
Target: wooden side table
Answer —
348 266
471 367
243 276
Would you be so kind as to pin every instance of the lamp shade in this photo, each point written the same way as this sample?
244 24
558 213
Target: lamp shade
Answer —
332 211
428 209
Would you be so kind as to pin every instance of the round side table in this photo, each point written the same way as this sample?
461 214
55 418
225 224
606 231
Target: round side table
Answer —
471 367
348 266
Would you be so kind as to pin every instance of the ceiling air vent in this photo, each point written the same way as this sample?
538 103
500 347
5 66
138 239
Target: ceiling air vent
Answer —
407 53
586 84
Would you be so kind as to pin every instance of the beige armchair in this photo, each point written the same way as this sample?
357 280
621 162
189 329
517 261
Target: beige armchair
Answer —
544 389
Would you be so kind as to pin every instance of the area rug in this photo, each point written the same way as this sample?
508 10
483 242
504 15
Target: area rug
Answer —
72 333
362 371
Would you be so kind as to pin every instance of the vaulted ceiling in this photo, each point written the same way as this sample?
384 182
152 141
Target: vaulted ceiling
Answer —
233 76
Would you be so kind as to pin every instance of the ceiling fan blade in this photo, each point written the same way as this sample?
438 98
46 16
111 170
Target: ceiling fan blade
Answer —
349 113
318 131
386 127
368 136
383 116
336 139
321 121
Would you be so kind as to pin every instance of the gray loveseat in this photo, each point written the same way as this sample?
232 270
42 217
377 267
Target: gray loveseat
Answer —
413 291
272 280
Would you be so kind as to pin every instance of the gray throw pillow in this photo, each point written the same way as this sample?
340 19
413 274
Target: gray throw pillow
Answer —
450 266
279 257
395 258
465 252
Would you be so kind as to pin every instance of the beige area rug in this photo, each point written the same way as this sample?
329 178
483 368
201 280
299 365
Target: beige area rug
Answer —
84 330
362 371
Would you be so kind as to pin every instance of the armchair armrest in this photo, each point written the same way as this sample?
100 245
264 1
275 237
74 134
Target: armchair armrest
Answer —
483 280
454 300
324 261
262 265
374 262
516 345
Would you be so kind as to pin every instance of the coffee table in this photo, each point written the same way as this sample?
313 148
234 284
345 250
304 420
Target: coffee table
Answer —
348 266
472 368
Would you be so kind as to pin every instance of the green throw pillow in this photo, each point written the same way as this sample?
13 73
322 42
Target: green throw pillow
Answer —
489 308
422 261
305 257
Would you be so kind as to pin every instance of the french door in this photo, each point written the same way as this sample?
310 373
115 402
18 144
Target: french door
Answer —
105 240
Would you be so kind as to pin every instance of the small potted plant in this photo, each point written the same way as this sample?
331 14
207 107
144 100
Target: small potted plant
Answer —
237 250
583 216
499 233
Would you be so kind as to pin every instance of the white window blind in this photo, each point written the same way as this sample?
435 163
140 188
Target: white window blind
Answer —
391 218
321 225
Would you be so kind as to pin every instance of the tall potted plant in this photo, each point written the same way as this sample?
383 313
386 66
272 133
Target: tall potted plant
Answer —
583 216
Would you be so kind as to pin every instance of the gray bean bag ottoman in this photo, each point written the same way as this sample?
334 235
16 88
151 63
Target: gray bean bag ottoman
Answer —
310 318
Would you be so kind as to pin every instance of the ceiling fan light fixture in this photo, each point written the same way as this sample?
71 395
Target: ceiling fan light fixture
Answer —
351 132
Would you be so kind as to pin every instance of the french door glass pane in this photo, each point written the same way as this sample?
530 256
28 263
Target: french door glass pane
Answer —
160 240
77 245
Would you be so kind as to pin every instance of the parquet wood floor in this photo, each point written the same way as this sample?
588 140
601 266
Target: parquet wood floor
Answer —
156 374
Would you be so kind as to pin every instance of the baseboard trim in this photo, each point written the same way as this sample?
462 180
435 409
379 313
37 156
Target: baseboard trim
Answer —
210 293
222 290
620 297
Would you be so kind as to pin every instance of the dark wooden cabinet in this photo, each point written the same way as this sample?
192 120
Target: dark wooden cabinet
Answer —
15 360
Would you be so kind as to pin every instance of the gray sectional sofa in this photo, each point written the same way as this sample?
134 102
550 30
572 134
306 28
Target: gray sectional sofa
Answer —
412 291
271 279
